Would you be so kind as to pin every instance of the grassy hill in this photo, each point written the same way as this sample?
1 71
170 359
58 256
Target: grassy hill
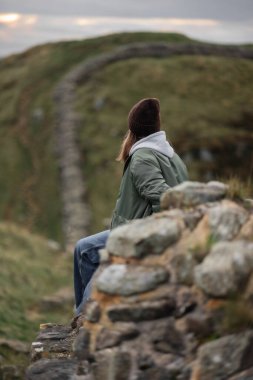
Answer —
206 109
29 183
30 269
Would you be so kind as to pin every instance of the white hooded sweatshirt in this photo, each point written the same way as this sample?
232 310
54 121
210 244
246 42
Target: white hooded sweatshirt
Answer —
156 141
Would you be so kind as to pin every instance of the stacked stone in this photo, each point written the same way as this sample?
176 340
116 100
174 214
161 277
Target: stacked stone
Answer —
173 297
160 295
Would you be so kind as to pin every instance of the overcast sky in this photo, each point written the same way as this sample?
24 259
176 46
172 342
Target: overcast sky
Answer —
25 23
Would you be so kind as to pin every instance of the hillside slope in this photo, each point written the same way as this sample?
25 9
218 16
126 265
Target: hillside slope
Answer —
31 268
29 185
29 176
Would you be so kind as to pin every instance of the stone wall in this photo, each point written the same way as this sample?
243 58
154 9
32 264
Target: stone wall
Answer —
173 297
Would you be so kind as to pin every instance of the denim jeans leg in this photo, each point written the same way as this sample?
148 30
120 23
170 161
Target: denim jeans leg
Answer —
86 261
86 296
78 283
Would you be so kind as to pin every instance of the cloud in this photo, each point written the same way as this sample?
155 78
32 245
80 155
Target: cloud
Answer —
8 18
143 21
226 10
16 20
23 31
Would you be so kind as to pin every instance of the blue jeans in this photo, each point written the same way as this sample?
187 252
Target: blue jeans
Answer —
86 261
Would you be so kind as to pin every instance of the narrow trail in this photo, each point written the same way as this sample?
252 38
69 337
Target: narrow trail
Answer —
76 213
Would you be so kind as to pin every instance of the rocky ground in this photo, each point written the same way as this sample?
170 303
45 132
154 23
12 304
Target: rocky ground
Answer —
172 298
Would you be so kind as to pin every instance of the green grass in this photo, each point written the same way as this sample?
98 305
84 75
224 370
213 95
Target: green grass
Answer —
29 178
237 190
204 101
29 270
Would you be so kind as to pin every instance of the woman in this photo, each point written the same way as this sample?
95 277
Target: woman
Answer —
151 167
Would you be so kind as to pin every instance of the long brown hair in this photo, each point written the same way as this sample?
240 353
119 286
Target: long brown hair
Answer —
143 120
129 140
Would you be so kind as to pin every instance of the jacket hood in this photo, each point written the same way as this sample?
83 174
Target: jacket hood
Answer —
156 141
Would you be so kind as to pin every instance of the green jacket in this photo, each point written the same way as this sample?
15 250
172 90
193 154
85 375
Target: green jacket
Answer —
147 174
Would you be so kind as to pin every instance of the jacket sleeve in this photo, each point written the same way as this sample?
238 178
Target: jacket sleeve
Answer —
148 179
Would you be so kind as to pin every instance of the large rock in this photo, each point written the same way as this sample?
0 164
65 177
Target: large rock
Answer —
189 194
198 323
182 268
158 373
130 279
53 341
53 332
186 300
224 357
142 311
167 339
54 369
225 269
191 217
248 295
226 219
245 375
143 237
112 364
112 337
81 344
92 311
247 230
